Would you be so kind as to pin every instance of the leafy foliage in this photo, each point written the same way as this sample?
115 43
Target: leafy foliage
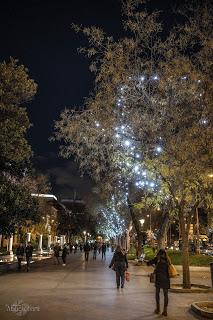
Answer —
17 205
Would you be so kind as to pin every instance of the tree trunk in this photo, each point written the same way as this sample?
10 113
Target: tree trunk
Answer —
161 237
197 242
137 226
140 244
185 252
161 241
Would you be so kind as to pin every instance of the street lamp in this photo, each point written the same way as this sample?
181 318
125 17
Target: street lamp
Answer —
142 222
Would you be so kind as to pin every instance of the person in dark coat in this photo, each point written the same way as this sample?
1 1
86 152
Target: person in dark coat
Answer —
56 250
103 250
64 255
95 249
28 254
20 254
99 248
120 264
76 248
162 280
86 251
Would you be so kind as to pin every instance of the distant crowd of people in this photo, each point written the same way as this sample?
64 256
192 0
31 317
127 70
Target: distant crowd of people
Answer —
95 248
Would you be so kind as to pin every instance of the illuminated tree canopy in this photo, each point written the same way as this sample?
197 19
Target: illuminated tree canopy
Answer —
148 125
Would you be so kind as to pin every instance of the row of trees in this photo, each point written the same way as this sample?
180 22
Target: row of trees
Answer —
19 211
145 134
17 177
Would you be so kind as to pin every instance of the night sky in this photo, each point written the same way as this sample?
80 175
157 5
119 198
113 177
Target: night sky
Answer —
38 34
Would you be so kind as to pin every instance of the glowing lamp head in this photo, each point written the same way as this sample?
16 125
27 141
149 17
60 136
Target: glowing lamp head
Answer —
142 221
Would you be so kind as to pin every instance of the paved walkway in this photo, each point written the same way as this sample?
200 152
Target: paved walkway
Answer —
86 291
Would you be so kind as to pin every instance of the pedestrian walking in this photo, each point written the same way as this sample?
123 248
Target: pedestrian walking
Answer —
103 250
20 254
81 247
64 255
28 254
56 250
95 249
99 248
76 248
162 280
119 264
86 251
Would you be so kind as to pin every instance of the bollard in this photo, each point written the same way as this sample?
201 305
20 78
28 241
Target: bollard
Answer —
211 270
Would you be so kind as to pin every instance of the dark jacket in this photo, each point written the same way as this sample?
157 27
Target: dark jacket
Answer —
103 248
29 251
119 262
162 272
95 247
64 252
56 251
86 247
20 251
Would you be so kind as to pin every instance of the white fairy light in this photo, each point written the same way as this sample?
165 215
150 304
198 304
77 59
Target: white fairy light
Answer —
136 168
155 77
127 143
159 149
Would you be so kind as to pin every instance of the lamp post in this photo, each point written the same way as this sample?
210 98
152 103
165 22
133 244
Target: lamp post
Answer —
150 222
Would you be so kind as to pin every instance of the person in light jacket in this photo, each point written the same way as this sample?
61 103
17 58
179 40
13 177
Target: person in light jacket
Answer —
120 264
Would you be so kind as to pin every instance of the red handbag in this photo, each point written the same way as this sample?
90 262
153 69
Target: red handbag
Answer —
127 276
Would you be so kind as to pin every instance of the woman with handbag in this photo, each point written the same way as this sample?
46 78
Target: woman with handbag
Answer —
120 264
162 279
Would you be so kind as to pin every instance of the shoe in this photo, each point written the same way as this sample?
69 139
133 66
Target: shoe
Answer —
63 264
122 286
157 310
164 313
118 287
